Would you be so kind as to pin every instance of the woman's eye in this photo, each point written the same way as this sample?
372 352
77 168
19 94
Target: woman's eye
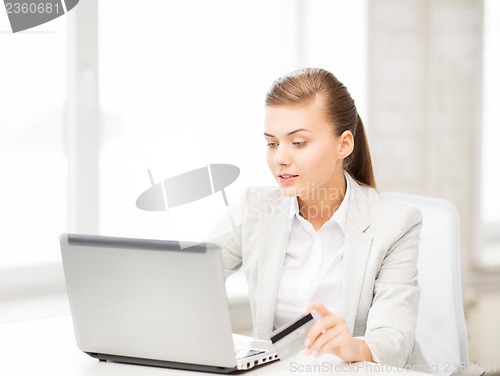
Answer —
271 145
299 143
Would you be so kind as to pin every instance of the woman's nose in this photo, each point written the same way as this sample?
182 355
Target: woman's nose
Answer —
282 157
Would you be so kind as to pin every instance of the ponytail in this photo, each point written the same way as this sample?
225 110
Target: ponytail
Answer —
359 163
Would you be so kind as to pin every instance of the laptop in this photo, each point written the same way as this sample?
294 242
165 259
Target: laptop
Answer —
154 302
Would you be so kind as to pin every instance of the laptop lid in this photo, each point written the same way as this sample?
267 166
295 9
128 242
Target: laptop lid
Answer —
148 299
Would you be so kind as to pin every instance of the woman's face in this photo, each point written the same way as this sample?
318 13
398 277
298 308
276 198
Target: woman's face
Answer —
304 155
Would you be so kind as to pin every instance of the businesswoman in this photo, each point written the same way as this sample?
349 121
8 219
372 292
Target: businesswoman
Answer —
324 240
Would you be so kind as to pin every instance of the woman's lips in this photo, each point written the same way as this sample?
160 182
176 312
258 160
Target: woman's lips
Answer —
287 178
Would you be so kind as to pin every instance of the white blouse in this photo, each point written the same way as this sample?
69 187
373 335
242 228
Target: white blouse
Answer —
312 269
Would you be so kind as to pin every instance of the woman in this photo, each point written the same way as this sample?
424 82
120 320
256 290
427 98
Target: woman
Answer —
324 240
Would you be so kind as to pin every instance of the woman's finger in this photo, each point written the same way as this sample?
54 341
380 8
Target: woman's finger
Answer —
318 307
327 335
319 327
331 341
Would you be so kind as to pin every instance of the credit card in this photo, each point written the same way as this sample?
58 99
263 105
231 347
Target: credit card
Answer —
289 338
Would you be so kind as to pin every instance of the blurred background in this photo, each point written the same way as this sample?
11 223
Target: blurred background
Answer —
92 100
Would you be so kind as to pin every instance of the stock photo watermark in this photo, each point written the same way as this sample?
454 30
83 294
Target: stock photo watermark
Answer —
26 14
296 367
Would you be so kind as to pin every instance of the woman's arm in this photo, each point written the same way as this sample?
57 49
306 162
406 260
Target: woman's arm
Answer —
391 320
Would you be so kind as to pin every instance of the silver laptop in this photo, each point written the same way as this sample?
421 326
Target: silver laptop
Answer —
153 302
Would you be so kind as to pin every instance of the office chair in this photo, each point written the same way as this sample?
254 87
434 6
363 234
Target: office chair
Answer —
441 330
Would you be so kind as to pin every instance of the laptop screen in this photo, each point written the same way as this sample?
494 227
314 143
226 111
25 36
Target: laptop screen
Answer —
148 299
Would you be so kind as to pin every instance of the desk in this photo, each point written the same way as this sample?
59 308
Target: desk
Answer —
47 347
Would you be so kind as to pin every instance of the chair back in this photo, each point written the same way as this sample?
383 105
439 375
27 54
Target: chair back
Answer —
441 331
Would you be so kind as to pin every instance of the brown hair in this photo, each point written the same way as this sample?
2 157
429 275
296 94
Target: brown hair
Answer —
305 86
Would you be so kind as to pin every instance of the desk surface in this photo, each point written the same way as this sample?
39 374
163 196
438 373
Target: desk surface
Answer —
48 347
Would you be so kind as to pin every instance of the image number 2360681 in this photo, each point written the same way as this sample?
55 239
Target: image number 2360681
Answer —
26 14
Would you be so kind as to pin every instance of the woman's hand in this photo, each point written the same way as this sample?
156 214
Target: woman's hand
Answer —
331 335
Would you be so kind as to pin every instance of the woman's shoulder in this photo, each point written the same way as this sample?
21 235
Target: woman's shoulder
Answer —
391 205
387 212
396 209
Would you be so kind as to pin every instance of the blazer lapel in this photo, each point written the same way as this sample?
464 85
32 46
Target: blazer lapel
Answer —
272 246
356 251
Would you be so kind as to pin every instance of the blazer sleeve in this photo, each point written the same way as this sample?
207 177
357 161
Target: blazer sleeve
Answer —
230 245
392 318
230 242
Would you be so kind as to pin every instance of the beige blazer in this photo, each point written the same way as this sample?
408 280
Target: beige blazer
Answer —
380 290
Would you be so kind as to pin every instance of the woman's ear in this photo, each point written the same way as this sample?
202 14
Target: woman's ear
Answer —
346 144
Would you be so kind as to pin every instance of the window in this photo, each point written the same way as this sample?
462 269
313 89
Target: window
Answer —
180 87
33 198
184 87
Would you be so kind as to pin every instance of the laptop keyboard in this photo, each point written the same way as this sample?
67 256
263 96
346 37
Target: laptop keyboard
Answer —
245 353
